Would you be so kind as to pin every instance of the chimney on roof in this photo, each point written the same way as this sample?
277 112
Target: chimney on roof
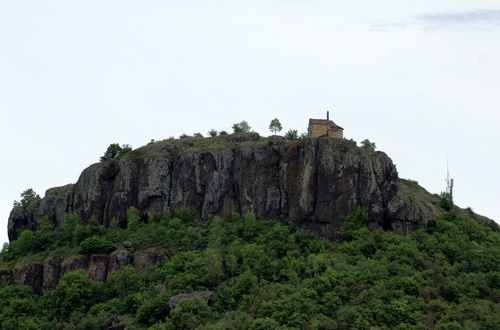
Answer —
327 115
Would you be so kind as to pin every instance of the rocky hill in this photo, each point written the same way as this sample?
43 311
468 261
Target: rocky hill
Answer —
185 267
314 182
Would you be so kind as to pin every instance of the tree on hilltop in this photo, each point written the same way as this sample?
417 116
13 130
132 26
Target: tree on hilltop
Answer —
275 126
27 197
292 135
367 144
242 127
114 150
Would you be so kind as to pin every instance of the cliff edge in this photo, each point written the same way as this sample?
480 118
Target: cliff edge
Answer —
314 183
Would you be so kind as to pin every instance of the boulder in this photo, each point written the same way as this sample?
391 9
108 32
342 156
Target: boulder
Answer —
205 295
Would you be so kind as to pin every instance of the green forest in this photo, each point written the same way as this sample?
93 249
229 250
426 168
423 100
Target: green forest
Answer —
265 274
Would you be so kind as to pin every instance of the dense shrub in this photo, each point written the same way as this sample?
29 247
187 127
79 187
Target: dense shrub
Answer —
95 245
28 196
115 151
74 293
446 201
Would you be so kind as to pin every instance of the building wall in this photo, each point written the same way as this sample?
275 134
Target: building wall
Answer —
336 134
317 130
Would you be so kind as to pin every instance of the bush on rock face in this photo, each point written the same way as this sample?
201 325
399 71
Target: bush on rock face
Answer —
95 245
114 151
28 196
74 293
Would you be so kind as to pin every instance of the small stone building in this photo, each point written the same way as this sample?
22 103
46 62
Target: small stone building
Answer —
324 127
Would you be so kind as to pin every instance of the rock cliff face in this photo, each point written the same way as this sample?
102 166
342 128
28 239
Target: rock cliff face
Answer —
314 183
41 277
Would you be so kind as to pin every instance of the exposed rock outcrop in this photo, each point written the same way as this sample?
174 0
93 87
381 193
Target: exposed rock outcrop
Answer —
51 274
98 267
74 263
145 259
55 205
314 182
45 276
30 275
119 260
205 295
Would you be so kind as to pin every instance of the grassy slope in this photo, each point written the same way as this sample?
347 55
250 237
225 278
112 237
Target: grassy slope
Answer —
420 196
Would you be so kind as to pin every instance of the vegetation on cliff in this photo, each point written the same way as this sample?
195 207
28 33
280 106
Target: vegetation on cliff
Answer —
265 275
28 197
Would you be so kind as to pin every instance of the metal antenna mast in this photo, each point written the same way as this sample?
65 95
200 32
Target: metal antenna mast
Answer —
449 181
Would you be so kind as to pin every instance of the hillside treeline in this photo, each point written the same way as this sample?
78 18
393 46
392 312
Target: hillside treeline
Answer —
265 274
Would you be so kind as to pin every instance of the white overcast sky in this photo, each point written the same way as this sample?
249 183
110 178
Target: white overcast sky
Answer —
419 78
